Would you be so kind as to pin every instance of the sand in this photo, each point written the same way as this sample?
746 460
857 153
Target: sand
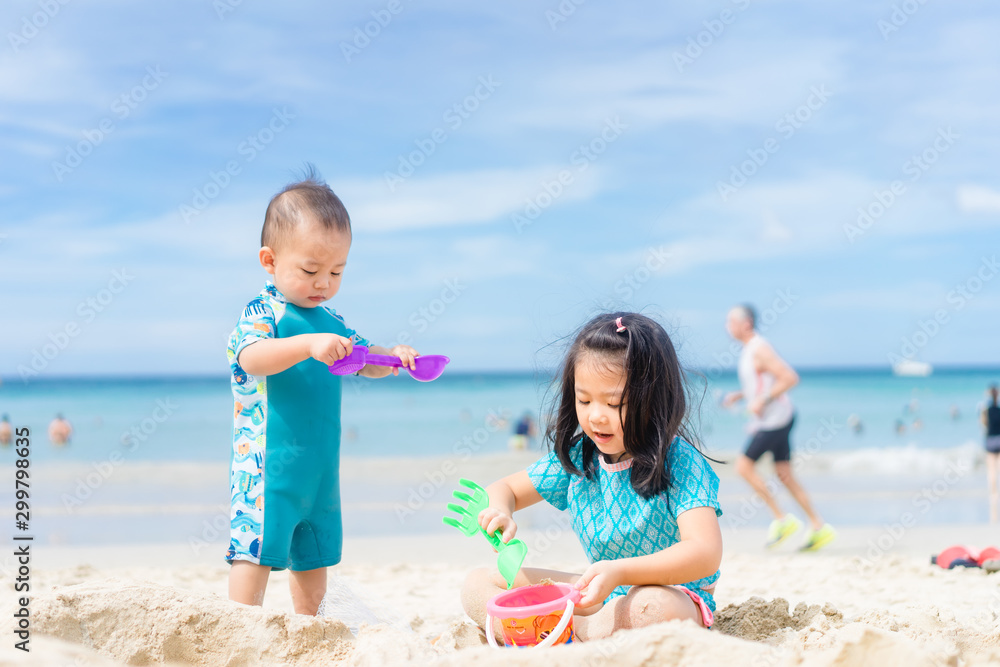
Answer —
167 605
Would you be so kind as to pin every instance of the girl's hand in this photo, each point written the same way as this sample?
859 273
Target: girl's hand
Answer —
492 520
406 354
329 348
597 583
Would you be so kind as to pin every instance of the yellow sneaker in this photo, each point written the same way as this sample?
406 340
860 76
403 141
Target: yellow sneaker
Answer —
782 529
818 539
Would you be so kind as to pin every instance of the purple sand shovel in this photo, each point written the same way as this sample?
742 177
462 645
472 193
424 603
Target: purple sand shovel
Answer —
427 367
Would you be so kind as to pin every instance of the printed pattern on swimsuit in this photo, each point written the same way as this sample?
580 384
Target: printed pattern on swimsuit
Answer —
258 321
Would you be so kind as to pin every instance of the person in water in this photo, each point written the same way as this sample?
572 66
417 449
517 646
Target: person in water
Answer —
60 431
990 418
284 480
765 379
6 432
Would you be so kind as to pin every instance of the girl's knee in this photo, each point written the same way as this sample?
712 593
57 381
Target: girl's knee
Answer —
646 605
474 591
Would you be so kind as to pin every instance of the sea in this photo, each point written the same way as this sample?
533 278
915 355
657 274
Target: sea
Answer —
869 444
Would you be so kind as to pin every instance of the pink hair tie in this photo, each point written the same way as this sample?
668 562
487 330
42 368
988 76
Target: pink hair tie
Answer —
618 323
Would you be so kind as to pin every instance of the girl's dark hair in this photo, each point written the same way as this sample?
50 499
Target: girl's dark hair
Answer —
993 393
653 400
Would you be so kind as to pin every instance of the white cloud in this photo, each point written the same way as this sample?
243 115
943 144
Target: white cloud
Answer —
977 199
468 198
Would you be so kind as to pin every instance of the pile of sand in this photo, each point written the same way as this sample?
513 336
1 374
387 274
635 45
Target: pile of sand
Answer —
893 611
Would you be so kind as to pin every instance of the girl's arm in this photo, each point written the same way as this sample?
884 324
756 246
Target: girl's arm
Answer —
512 493
697 555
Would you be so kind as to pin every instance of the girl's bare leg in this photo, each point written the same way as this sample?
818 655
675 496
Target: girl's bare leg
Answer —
483 583
644 605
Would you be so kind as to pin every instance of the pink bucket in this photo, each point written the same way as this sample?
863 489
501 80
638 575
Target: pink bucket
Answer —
539 615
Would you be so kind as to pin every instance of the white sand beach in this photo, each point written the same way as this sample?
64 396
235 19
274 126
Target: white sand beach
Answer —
164 604
870 598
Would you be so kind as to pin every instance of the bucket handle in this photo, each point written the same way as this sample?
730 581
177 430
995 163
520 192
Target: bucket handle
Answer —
548 641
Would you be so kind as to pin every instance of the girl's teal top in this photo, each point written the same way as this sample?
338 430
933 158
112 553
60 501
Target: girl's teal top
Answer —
612 521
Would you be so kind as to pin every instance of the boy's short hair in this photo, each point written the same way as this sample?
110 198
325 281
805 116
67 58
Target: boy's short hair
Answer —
309 197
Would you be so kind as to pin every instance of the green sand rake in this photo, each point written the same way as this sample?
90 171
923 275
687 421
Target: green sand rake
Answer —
511 555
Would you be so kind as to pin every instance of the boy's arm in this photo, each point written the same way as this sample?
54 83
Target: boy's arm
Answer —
269 356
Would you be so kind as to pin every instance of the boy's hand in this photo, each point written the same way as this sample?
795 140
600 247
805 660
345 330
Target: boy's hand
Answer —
406 354
492 520
597 583
329 348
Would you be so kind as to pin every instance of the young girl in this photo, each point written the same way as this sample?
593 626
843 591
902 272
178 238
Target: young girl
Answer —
642 499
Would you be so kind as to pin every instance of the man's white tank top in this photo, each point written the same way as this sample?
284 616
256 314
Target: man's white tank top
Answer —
776 414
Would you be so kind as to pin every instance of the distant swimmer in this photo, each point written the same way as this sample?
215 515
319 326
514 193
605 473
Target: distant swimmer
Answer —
955 413
5 431
854 423
990 418
524 433
900 427
60 431
765 379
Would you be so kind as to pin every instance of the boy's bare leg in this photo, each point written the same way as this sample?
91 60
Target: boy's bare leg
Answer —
308 588
644 605
746 468
784 470
247 582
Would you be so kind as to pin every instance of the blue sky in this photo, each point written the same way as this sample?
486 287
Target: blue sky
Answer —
546 166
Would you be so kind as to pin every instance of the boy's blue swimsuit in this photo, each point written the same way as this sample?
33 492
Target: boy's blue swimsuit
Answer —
285 480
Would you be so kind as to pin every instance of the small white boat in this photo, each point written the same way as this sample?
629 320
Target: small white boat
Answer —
911 368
